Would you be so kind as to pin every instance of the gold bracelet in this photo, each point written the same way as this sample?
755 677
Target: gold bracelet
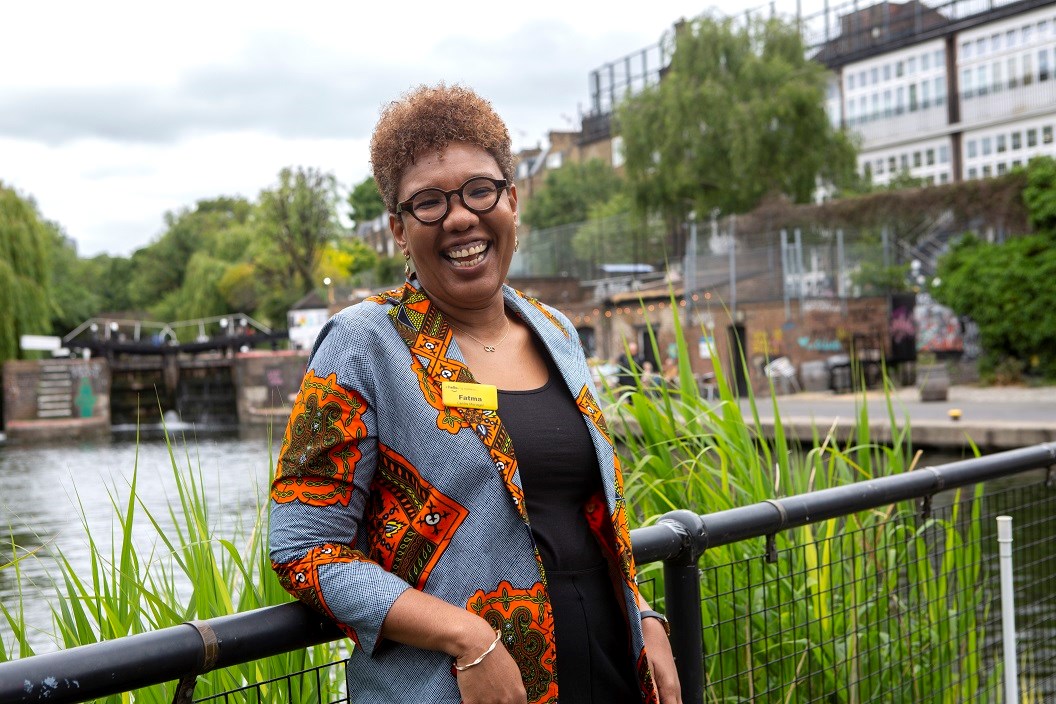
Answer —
463 668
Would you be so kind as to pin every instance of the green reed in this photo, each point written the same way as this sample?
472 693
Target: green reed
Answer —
191 572
882 605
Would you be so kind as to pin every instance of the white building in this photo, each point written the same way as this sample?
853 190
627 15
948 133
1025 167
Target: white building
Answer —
942 94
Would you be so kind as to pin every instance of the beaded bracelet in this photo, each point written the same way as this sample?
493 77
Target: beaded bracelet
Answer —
463 668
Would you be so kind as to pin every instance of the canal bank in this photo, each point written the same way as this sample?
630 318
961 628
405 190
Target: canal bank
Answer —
992 418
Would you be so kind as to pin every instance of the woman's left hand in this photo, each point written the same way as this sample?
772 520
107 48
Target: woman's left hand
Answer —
662 661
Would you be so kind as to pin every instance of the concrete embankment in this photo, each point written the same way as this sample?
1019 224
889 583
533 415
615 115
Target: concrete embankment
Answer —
992 418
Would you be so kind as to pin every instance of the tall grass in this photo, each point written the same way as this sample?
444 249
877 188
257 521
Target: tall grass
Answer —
881 605
189 572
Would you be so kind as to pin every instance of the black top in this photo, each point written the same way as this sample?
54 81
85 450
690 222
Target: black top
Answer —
559 472
558 468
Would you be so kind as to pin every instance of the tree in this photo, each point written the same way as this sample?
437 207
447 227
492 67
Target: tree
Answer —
569 192
300 217
739 114
25 261
1006 288
365 202
614 234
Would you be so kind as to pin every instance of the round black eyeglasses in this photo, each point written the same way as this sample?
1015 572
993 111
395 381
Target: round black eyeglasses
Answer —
430 205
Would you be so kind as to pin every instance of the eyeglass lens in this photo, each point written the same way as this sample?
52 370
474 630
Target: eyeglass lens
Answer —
478 194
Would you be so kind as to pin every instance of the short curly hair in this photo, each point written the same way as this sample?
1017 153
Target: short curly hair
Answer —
429 118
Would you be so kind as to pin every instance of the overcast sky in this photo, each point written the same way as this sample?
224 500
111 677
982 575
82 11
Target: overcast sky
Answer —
113 113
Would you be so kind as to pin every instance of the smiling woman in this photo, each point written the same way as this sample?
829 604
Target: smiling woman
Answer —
448 490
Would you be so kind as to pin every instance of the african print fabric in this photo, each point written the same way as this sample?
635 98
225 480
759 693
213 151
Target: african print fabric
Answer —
380 487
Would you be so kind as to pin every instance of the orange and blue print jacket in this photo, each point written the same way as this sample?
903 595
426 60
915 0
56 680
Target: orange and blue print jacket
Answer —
380 487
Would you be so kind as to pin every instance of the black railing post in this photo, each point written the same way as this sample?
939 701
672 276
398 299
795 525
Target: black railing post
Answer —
682 602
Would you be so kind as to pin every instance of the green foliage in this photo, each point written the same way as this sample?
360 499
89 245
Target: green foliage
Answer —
365 201
740 114
299 216
25 272
877 605
875 279
1007 289
612 234
570 192
127 593
1040 193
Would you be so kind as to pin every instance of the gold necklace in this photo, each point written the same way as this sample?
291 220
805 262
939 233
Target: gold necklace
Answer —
487 348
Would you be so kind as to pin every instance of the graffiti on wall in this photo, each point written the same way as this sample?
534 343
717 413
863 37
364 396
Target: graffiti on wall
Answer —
938 327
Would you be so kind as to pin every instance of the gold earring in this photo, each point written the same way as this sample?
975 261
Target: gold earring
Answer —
516 243
407 264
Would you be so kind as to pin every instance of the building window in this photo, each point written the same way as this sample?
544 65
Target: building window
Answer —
940 90
875 75
1010 38
916 160
966 83
972 148
973 173
940 55
887 103
899 69
929 157
891 168
1013 81
966 50
1032 138
982 82
867 171
1002 169
1043 29
1017 140
887 72
1046 134
944 154
987 171
904 162
995 43
1028 69
1027 33
988 147
1016 164
1002 145
900 100
879 166
1043 65
913 97
925 61
876 106
911 65
850 82
998 80
980 46
944 177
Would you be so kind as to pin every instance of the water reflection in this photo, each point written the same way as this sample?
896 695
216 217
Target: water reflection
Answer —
52 494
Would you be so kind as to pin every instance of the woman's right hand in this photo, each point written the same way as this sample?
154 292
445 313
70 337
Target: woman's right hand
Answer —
495 680
423 621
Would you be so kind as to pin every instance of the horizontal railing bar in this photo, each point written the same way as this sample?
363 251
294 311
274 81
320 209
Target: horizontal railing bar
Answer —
769 517
110 667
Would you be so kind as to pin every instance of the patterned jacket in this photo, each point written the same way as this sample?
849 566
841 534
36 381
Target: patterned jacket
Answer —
380 487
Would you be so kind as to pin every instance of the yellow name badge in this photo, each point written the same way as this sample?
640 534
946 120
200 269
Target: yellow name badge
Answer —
460 395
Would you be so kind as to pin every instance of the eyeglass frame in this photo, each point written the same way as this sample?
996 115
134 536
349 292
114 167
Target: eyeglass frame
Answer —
501 184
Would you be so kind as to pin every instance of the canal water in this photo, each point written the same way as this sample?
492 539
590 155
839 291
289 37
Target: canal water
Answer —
49 494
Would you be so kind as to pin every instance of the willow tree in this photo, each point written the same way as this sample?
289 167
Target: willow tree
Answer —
739 114
24 272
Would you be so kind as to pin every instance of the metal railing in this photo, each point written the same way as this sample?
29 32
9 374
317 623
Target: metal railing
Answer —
679 540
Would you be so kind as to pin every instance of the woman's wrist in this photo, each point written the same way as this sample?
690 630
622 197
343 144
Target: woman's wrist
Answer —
462 665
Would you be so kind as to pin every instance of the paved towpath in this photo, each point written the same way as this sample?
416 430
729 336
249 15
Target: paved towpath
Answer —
995 418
